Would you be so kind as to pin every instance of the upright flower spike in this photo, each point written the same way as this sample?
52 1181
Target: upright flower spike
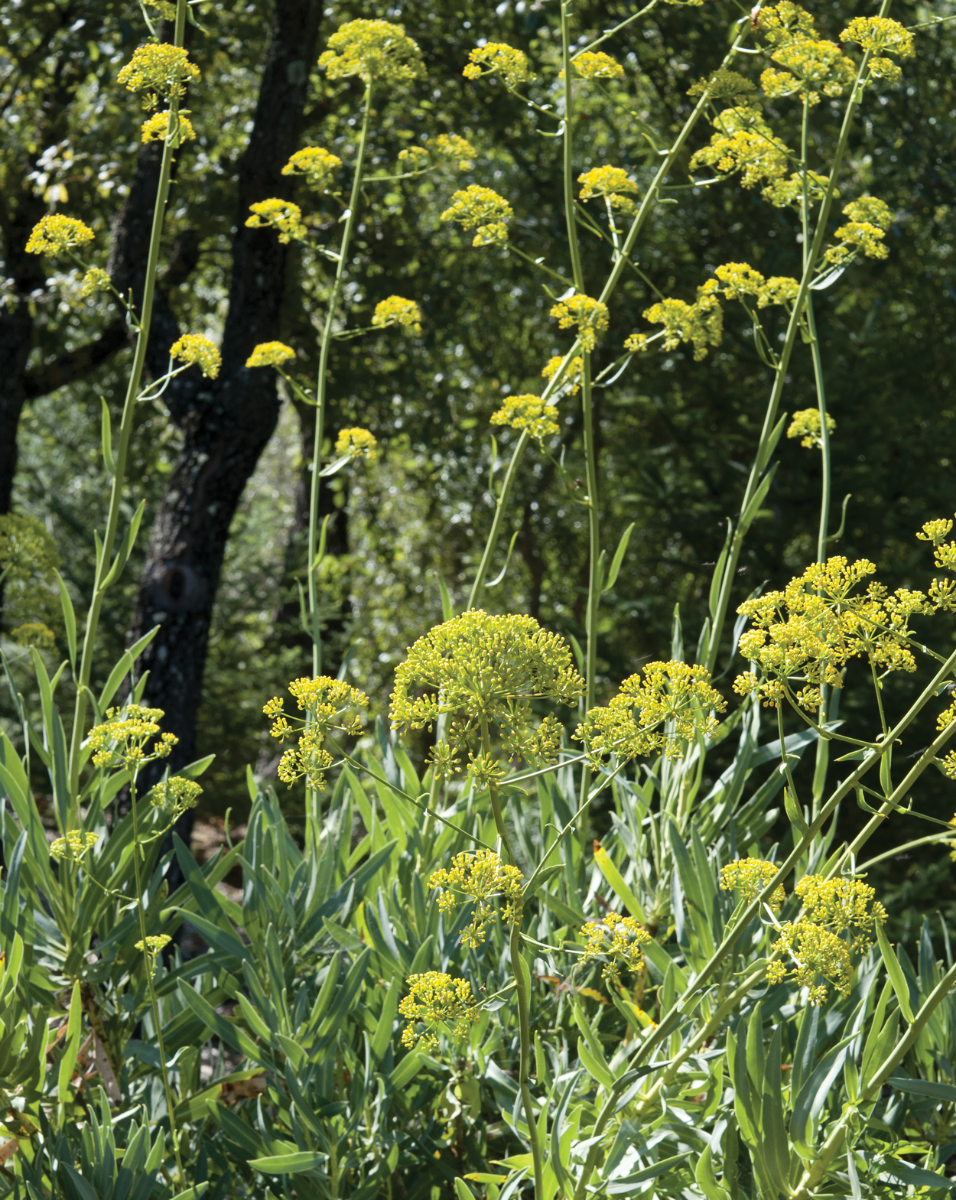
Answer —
528 412
317 165
158 70
588 316
193 348
55 233
374 51
484 671
673 704
807 426
497 58
482 209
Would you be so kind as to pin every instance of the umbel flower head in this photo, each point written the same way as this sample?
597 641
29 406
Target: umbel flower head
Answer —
528 412
619 942
193 348
744 142
374 51
594 64
316 164
55 233
95 280
483 878
356 443
73 846
739 281
482 209
396 311
722 84
270 354
571 380
612 183
122 738
671 705
330 705
175 796
451 146
748 877
496 58
151 946
158 69
942 592
881 36
156 129
282 215
863 233
485 671
841 917
435 1000
588 316
700 323
807 426
813 628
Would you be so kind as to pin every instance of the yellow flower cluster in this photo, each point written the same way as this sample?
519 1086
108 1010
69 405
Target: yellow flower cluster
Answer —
121 739
356 443
436 999
942 592
748 877
528 412
154 944
863 233
806 425
483 878
496 58
572 376
95 280
397 311
55 233
451 146
156 129
619 940
671 705
744 142
158 69
740 279
815 951
722 84
329 705
484 671
482 209
282 215
783 191
700 323
316 164
594 64
813 67
612 183
588 316
847 907
73 846
34 633
177 795
374 51
270 354
882 36
816 625
193 348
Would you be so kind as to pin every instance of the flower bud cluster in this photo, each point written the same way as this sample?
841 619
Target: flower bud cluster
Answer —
356 443
613 184
397 311
807 426
316 164
282 215
175 796
55 233
73 846
375 51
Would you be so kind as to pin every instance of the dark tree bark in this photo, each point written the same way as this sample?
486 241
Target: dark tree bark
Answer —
225 422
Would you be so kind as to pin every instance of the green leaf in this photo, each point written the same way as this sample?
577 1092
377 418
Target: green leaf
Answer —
382 1037
620 888
69 619
596 1066
447 612
227 1030
707 1180
106 438
923 1087
895 972
618 1186
406 1071
915 1176
123 667
618 558
462 1190
71 1048
289 1164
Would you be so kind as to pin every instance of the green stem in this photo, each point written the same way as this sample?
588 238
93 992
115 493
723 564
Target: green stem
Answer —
813 1175
594 567
153 999
321 383
773 404
569 213
524 1061
126 428
643 213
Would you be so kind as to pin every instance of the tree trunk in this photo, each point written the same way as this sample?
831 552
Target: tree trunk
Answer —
225 422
